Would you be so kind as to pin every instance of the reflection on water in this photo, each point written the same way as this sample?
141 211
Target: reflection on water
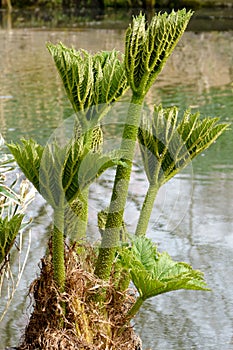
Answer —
204 19
192 218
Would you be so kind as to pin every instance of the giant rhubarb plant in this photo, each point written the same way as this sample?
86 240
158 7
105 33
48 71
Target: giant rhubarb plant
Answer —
168 142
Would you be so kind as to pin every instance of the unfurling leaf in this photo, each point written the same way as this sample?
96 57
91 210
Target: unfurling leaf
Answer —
28 155
147 48
168 144
90 80
80 173
61 173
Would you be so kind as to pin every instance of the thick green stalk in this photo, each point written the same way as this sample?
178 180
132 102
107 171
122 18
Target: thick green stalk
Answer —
58 249
146 210
111 235
83 216
135 308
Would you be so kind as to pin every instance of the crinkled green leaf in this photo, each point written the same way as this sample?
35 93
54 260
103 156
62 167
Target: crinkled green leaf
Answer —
169 144
144 251
28 155
147 47
89 80
60 173
153 273
51 172
86 170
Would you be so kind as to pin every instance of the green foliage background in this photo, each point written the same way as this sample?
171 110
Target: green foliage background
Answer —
118 3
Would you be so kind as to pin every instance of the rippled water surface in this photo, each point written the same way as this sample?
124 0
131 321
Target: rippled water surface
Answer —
192 217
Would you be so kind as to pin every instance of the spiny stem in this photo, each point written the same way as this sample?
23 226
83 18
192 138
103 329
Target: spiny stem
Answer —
58 249
146 210
77 221
120 190
83 216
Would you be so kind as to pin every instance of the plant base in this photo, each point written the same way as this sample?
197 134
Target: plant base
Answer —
73 319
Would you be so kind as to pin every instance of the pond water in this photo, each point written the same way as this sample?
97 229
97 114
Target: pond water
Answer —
193 216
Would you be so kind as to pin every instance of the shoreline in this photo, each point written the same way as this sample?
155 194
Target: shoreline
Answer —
204 19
